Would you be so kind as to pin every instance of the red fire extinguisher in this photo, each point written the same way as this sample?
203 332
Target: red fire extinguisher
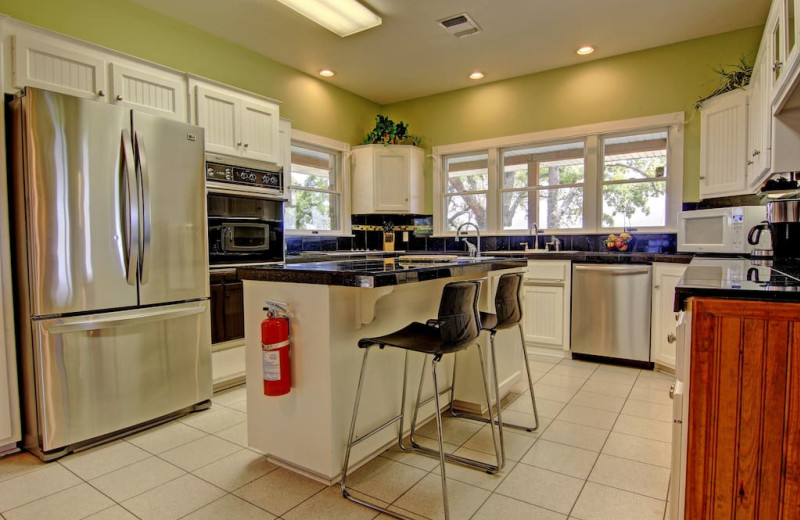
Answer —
275 350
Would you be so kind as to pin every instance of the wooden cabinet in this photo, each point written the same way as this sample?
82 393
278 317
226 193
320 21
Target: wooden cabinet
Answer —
743 457
546 304
663 320
238 125
227 307
387 179
60 65
723 145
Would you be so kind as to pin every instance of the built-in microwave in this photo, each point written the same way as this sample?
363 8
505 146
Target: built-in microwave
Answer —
720 230
244 229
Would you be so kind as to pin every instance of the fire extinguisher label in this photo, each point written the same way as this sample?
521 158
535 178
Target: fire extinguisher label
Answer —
272 365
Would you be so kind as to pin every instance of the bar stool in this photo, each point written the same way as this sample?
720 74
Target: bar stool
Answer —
457 327
509 313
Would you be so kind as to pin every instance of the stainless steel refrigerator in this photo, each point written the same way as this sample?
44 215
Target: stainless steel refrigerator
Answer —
111 269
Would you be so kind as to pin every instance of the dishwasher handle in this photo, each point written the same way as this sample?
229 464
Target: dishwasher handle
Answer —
613 269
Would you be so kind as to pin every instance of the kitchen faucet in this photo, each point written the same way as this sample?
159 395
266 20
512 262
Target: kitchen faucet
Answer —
535 233
471 249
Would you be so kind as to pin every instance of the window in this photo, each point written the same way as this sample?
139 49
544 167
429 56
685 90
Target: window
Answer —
594 178
634 185
467 186
316 187
545 182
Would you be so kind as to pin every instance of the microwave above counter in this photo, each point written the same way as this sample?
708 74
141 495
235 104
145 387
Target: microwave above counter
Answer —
720 230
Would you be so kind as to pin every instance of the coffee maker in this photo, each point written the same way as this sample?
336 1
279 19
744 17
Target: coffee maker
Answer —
783 222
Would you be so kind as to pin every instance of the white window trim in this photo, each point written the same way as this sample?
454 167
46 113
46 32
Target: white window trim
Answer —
301 137
674 122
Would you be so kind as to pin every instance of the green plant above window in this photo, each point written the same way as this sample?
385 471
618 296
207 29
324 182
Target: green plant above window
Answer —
736 76
388 132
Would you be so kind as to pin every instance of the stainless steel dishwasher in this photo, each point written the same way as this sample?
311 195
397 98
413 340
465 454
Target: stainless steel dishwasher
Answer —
611 311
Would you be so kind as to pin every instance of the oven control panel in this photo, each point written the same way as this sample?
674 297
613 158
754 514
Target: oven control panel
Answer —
245 176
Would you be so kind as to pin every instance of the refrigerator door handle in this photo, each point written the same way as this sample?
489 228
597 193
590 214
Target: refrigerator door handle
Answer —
99 322
144 194
130 212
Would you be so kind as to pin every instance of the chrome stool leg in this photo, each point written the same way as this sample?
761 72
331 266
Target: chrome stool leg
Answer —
442 454
530 382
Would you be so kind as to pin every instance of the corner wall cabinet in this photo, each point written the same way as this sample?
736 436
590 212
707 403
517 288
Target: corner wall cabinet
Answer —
723 145
759 130
387 179
52 63
664 320
743 458
237 124
546 305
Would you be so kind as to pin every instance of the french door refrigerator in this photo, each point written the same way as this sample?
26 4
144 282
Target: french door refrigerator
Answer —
111 269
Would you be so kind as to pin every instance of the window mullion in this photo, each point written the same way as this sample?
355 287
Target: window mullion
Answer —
494 206
593 165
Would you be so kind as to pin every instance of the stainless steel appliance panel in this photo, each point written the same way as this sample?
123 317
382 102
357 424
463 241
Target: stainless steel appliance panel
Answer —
75 185
101 373
173 259
611 311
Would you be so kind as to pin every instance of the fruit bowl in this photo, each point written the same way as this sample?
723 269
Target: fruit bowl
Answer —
622 243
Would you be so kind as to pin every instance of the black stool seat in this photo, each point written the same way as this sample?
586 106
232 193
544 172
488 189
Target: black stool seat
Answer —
488 320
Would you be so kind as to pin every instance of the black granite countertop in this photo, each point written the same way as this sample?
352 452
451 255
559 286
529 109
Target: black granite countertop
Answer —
376 272
739 278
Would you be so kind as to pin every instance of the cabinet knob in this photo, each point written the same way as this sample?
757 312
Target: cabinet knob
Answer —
671 338
776 66
119 97
239 143
656 286
749 163
677 316
246 145
702 177
672 392
756 153
101 93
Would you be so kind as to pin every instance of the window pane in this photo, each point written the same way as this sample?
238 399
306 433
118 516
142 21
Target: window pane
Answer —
635 204
467 173
313 168
642 156
560 208
312 210
515 210
543 165
465 208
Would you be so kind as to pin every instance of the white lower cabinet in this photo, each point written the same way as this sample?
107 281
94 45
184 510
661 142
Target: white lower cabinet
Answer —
664 321
546 305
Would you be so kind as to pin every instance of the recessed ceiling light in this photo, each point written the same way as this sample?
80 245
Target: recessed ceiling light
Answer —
327 73
476 75
344 17
586 49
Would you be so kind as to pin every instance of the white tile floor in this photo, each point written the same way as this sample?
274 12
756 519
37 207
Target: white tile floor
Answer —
602 453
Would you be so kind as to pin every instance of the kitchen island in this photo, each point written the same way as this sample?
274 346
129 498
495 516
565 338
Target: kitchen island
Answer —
334 304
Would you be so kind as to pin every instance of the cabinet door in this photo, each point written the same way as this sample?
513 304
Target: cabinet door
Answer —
723 144
759 122
260 131
217 313
664 320
219 114
46 65
543 316
391 180
743 457
234 311
160 94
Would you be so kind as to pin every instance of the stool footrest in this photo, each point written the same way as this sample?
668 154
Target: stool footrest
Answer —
374 507
428 452
486 420
376 430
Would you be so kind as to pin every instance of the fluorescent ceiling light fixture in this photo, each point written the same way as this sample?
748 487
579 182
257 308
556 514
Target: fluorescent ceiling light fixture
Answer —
344 17
476 75
327 73
586 49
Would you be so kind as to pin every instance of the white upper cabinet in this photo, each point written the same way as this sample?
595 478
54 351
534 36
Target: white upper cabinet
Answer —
387 179
46 63
723 145
161 93
759 130
238 125
61 65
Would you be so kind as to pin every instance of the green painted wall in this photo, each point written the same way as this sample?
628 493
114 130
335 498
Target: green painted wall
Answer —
314 105
654 81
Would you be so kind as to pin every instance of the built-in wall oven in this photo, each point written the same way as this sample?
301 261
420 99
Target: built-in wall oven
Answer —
245 227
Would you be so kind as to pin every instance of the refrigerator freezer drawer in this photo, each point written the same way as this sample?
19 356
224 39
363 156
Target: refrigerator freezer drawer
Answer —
102 373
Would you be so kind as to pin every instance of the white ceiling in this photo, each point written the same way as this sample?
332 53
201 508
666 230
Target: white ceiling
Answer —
410 55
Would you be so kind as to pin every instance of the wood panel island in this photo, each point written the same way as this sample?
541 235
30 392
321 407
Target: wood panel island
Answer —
334 304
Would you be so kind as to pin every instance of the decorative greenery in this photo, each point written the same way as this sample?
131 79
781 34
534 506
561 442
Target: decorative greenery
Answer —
388 132
738 76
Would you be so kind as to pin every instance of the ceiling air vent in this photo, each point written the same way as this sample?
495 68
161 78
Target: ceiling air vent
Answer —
460 25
